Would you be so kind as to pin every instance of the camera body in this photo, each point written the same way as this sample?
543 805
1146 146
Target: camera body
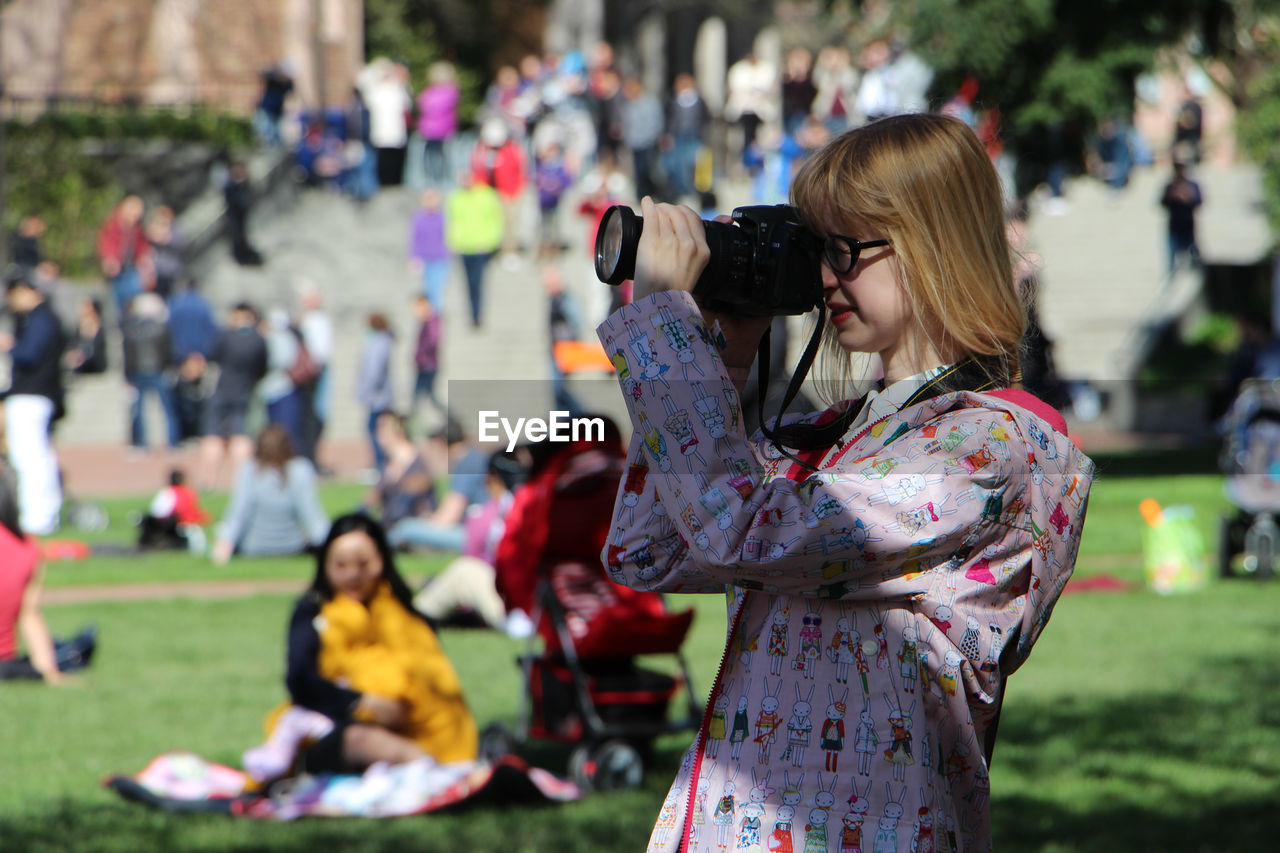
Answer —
765 264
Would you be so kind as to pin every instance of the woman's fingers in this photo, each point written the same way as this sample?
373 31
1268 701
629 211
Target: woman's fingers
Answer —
673 248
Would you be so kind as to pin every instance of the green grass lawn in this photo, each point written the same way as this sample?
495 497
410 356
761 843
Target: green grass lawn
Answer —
1141 722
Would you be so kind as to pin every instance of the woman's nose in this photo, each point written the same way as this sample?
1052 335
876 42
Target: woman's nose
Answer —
829 280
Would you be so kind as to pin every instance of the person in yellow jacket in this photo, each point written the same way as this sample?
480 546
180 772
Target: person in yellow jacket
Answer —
362 657
473 229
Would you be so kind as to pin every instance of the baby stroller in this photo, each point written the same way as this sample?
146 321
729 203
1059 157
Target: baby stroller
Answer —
1251 461
586 688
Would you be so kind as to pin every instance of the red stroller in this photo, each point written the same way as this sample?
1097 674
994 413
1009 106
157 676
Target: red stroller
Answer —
586 688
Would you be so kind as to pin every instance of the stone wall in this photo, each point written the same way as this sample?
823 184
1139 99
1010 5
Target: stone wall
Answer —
177 51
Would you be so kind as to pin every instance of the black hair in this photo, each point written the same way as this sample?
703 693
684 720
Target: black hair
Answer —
176 477
9 503
358 522
452 432
505 465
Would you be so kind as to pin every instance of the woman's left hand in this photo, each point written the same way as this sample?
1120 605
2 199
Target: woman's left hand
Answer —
673 249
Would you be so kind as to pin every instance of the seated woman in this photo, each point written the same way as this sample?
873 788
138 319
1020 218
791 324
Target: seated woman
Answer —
275 506
406 488
20 583
362 658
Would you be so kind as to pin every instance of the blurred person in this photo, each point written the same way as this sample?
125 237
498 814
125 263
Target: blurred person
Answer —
552 179
836 82
174 518
359 177
240 354
274 508
752 98
1180 199
466 588
474 231
124 253
606 101
406 488
21 581
194 331
603 186
315 328
563 323
88 352
429 256
499 161
167 258
24 244
389 101
375 388
33 403
1188 128
798 89
642 127
501 98
280 388
1111 155
426 355
148 357
238 194
438 120
277 83
442 529
361 658
686 123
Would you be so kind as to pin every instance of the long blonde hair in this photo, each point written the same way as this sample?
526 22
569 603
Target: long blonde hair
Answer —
925 182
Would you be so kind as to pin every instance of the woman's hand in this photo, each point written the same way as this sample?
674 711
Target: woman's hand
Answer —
386 712
221 553
673 249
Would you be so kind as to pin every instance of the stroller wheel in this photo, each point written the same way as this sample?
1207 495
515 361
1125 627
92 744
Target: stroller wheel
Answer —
613 765
496 740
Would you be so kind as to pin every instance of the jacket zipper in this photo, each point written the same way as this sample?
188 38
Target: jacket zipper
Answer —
705 725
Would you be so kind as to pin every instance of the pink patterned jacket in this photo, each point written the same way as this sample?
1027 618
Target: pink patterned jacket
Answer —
896 590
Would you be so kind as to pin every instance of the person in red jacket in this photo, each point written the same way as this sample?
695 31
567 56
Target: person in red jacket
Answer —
499 161
175 518
125 253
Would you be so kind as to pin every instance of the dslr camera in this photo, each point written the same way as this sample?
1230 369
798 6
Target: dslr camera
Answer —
765 264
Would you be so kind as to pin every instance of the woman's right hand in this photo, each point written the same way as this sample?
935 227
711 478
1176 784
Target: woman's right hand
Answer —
672 251
383 710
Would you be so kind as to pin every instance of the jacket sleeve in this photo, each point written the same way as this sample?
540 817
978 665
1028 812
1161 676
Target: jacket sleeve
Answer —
38 339
894 506
302 674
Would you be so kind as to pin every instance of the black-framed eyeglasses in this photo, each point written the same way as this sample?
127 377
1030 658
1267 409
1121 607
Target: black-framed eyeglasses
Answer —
842 252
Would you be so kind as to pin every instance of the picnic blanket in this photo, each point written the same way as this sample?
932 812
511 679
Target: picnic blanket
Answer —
186 782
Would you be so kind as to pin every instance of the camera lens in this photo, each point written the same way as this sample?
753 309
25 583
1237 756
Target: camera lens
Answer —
616 242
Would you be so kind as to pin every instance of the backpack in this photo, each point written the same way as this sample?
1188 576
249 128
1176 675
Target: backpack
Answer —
305 370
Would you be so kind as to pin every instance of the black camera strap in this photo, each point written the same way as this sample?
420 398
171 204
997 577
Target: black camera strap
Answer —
793 387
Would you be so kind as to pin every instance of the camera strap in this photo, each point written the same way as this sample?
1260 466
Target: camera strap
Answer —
793 387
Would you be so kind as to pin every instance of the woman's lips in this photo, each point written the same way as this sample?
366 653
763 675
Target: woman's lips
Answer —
840 313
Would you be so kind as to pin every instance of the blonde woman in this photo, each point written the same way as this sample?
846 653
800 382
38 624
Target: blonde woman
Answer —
929 525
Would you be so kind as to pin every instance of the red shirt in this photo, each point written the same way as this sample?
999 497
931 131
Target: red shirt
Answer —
18 560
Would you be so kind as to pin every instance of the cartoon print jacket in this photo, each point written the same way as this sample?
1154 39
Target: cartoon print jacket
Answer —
894 590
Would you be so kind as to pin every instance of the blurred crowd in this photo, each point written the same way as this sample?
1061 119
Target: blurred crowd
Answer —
558 139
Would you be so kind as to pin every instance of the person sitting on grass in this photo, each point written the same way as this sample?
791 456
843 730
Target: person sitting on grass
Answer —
21 579
175 518
362 658
275 506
